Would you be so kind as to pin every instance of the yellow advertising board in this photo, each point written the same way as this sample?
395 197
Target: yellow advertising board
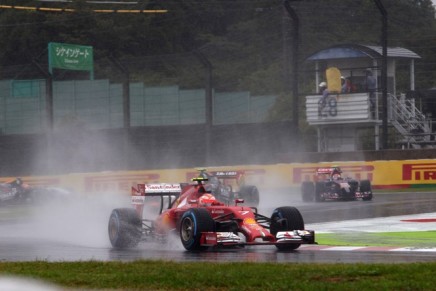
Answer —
382 174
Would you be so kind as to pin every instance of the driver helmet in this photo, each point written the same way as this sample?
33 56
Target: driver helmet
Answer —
207 199
322 85
336 176
18 181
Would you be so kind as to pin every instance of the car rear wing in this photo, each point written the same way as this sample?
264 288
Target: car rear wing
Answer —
162 190
324 171
227 174
329 170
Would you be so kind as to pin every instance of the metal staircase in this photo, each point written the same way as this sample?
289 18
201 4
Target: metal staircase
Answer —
412 124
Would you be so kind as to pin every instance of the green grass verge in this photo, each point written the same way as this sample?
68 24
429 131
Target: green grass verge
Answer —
421 239
163 275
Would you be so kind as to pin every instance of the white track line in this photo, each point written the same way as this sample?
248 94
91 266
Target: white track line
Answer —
380 224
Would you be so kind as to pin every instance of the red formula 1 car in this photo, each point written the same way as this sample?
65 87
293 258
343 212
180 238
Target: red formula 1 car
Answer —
330 185
201 221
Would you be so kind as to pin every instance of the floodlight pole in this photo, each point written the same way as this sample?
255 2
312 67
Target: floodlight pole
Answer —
48 95
209 102
384 73
49 102
126 91
295 48
126 107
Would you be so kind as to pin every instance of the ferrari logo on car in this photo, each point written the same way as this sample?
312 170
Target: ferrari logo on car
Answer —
250 221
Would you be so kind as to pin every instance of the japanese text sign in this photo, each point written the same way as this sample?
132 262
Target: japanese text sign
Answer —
70 57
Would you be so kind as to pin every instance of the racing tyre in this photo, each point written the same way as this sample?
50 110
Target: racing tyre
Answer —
307 191
365 186
286 219
192 224
319 189
125 228
250 194
225 194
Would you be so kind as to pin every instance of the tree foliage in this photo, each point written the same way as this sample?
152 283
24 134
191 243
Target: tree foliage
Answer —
247 42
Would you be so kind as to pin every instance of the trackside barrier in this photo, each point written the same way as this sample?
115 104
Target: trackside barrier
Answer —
382 174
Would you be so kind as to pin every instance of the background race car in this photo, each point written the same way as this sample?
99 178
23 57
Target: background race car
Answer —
18 192
201 221
230 185
330 185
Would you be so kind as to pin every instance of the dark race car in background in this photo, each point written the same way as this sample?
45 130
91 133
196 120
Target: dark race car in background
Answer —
230 185
330 185
201 221
18 192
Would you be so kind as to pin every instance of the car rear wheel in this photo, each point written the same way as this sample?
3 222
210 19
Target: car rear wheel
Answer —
286 219
125 228
365 186
319 189
307 191
192 224
250 194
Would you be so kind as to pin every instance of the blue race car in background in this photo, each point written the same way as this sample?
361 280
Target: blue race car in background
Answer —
331 185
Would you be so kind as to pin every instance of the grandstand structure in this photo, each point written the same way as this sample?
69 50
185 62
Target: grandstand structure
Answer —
346 115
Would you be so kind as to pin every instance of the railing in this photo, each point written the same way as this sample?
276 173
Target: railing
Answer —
411 123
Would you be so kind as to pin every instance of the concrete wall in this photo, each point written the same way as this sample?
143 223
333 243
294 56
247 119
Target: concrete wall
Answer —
172 147
75 150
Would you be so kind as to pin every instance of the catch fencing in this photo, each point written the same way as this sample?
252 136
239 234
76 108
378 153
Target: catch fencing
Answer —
98 104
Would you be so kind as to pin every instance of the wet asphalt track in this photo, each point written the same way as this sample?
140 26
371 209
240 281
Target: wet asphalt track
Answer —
69 238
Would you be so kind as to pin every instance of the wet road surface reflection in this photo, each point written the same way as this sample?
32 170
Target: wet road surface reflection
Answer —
60 241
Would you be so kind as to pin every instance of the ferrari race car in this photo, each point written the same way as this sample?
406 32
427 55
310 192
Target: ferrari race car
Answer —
230 185
330 185
201 221
18 192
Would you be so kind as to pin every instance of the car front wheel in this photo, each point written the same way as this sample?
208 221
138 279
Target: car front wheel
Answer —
286 219
193 223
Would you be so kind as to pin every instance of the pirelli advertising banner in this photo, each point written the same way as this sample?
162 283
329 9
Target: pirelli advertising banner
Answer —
382 174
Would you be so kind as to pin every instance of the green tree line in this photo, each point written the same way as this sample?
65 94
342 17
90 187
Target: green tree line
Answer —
247 42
